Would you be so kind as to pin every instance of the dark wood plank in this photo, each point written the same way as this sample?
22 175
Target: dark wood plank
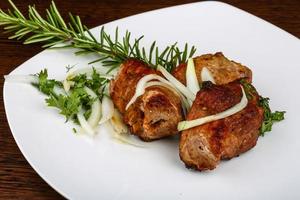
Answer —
17 179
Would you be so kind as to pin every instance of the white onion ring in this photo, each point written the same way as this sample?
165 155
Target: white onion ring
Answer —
184 103
140 87
107 109
84 124
191 77
207 76
182 88
183 125
95 116
29 79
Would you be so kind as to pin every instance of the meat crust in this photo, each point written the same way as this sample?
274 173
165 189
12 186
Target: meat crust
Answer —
122 88
153 115
203 147
223 70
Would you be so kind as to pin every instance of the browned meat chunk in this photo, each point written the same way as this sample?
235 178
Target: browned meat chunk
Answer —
122 88
156 113
223 70
203 147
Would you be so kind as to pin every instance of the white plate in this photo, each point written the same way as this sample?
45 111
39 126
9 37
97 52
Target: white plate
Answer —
105 169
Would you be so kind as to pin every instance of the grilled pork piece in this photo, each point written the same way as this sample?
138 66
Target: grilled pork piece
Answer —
153 115
223 70
203 147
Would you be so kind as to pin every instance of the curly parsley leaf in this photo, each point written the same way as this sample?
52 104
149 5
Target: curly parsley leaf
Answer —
77 98
68 105
249 89
46 85
95 82
269 117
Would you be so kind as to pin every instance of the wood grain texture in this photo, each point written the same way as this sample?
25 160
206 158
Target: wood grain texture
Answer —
17 179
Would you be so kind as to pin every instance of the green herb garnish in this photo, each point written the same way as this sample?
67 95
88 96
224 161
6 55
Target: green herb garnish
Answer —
53 30
74 130
269 117
70 103
46 85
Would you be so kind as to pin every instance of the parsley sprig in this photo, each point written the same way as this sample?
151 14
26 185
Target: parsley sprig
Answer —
46 85
269 117
69 104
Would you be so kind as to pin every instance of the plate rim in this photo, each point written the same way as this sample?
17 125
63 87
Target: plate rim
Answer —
9 120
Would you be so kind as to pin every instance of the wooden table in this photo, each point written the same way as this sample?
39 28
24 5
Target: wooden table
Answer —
17 179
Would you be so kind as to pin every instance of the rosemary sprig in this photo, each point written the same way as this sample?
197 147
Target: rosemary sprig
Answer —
53 30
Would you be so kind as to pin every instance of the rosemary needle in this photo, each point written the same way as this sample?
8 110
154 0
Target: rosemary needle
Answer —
53 30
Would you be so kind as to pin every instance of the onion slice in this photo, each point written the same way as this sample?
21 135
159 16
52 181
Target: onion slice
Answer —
107 109
21 79
140 87
95 116
84 124
182 88
207 76
117 123
183 125
185 104
67 85
191 77
121 131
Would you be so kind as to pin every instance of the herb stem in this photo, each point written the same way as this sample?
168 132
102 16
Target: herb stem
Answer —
53 30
